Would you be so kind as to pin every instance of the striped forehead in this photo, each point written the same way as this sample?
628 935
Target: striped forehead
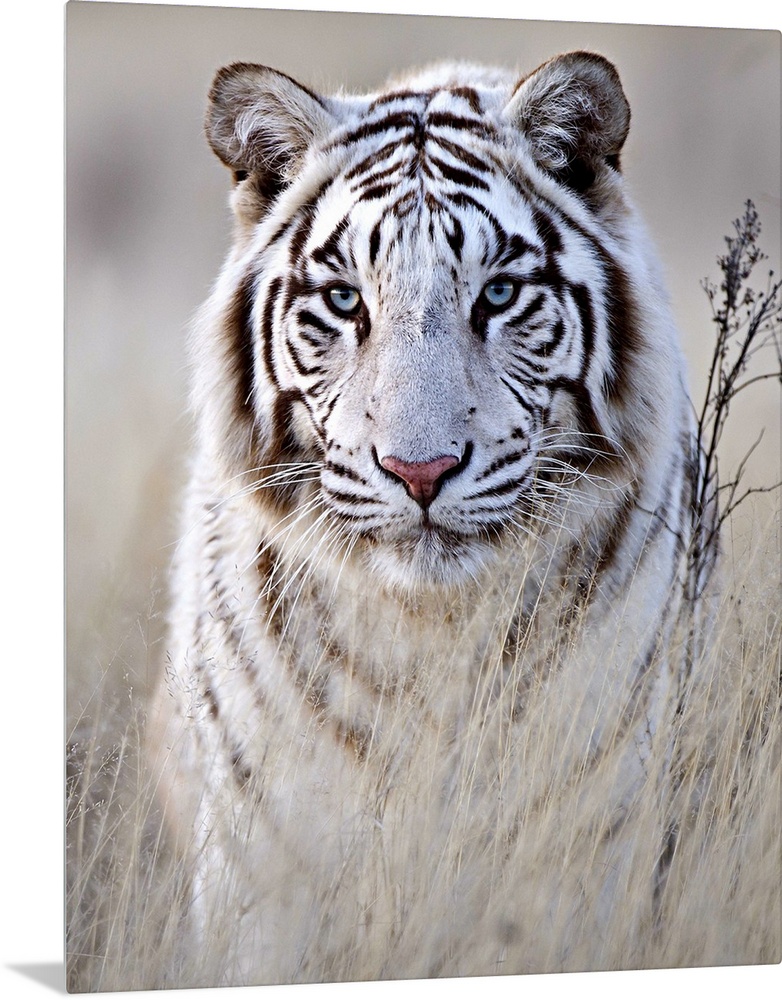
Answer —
427 165
433 136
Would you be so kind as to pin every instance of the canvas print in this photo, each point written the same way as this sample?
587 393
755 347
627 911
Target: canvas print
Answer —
423 506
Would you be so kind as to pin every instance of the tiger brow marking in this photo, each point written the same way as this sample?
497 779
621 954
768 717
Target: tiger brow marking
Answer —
447 119
456 174
372 160
400 120
374 176
307 209
330 250
467 158
374 242
464 200
511 249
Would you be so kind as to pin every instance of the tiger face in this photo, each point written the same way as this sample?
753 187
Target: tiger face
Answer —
426 303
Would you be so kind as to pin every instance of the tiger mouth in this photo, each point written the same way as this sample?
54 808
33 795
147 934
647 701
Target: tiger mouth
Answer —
432 555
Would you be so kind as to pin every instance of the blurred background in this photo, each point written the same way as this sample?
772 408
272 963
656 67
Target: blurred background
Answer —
148 227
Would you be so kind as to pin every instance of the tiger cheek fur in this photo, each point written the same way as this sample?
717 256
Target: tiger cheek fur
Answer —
440 400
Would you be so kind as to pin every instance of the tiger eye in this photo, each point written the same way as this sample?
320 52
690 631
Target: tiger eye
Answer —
344 300
500 293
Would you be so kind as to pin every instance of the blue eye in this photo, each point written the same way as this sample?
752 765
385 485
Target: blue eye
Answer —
344 300
500 293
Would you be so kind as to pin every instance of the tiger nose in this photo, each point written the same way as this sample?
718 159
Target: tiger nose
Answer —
422 479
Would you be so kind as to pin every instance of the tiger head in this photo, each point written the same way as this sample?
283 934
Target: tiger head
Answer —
432 304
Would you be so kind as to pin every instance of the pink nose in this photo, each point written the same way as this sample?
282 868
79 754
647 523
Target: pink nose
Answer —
423 479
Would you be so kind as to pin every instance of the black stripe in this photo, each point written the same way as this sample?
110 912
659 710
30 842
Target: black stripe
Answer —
455 238
329 250
456 174
530 309
349 498
374 242
399 120
345 473
267 329
467 158
371 161
614 539
329 410
399 95
468 94
548 231
583 300
301 233
622 323
500 463
623 326
308 318
461 199
547 348
447 119
308 209
302 369
496 491
405 205
239 328
513 247
378 175
377 191
585 411
524 403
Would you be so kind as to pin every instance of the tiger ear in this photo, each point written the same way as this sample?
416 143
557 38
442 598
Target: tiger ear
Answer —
575 115
260 121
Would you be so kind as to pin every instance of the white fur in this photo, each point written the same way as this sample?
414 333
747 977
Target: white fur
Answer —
351 664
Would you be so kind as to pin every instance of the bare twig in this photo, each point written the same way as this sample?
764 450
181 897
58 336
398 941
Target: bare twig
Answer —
747 322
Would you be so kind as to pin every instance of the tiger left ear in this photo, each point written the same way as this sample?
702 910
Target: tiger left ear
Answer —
260 121
574 114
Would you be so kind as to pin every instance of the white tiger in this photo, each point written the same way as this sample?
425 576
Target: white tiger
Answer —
439 496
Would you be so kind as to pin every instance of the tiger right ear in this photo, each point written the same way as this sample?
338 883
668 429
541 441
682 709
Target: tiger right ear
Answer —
574 114
261 121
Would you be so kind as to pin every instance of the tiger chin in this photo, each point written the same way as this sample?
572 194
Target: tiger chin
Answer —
430 559
441 468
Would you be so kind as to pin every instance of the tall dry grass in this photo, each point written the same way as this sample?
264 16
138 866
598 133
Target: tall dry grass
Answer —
484 880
